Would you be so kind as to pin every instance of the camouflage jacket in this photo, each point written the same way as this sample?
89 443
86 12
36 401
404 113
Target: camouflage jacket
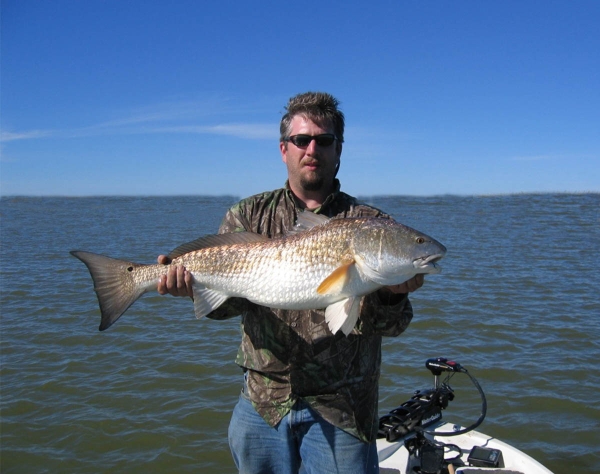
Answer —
292 354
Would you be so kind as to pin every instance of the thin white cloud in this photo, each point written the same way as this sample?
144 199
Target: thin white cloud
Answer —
168 112
6 136
167 117
532 158
252 131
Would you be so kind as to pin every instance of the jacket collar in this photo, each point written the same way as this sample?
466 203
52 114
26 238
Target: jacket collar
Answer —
318 210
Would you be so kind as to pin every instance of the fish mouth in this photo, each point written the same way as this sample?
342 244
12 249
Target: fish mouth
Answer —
428 263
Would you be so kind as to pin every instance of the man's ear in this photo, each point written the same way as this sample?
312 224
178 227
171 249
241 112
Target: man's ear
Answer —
283 151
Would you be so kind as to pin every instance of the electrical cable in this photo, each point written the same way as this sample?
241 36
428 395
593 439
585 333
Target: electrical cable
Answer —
468 428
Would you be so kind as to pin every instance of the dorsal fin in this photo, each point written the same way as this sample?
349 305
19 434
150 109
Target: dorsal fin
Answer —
307 220
217 240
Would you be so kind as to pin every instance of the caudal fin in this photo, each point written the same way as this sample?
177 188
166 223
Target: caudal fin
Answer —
114 284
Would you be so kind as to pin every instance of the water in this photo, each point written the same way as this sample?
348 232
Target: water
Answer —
517 303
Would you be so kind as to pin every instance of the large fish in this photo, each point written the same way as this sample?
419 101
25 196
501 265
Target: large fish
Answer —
323 263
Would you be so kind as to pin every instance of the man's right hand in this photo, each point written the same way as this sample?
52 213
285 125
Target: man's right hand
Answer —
177 282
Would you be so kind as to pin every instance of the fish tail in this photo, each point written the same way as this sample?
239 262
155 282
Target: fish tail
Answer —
114 284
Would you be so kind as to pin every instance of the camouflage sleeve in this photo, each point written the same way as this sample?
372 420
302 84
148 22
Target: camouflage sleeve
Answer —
385 314
232 222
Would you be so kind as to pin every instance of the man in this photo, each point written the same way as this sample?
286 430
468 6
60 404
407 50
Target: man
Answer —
309 396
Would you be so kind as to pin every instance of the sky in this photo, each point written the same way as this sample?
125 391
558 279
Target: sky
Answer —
145 97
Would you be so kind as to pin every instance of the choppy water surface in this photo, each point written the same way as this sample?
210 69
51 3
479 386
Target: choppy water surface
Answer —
517 303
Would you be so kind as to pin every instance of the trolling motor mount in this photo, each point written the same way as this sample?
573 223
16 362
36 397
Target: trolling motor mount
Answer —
423 409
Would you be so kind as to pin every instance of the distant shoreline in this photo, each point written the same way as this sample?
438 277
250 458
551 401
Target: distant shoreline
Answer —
230 196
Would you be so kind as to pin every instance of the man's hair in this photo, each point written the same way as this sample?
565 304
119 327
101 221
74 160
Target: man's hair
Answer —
319 107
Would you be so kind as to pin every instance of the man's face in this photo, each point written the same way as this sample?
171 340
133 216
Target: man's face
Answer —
313 167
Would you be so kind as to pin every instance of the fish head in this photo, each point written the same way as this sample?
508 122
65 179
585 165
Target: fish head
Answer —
389 253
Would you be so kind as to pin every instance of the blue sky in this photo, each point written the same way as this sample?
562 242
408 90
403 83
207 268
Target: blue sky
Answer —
185 97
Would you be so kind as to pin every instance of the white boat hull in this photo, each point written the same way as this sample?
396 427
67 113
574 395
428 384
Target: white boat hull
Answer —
394 457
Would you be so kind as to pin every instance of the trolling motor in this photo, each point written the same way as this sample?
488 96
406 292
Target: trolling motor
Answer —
422 410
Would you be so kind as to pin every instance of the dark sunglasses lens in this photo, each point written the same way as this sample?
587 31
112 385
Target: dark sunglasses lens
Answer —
301 140
304 140
324 140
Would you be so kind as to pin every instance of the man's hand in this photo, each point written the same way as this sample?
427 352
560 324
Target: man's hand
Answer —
177 282
408 286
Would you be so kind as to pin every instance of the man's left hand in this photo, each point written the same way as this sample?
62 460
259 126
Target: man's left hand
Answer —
408 286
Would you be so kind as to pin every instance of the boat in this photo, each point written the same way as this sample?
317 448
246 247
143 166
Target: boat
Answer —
414 439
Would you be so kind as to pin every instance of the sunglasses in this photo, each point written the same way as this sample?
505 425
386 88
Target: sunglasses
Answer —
301 141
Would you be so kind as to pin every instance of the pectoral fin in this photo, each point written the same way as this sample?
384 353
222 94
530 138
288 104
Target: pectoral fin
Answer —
334 283
343 315
206 300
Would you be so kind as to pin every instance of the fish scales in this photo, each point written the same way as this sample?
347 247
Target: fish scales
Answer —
270 271
326 266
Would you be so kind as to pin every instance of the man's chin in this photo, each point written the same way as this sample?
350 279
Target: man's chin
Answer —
315 184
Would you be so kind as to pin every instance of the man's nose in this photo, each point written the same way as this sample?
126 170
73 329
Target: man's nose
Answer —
312 147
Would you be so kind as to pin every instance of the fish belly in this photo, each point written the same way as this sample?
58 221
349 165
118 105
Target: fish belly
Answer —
277 277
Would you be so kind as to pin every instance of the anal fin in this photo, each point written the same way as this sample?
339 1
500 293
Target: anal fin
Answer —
343 315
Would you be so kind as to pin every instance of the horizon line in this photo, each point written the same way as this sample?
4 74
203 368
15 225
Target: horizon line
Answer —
227 195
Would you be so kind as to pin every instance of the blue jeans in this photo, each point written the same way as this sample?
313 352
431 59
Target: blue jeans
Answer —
302 442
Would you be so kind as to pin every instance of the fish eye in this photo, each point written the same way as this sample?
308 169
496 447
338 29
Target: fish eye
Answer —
420 240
